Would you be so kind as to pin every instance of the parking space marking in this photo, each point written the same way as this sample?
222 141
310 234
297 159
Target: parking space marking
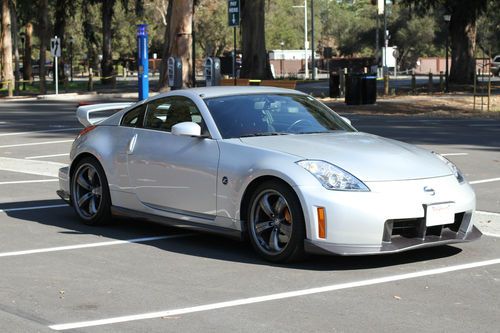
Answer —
273 297
31 208
455 154
487 213
45 156
43 131
484 181
40 168
91 245
30 181
36 143
491 235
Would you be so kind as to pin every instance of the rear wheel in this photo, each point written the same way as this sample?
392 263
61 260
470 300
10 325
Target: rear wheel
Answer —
276 223
90 192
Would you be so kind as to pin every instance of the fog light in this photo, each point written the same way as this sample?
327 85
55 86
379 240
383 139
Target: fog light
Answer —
321 223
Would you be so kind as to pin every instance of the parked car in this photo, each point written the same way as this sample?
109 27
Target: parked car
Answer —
273 165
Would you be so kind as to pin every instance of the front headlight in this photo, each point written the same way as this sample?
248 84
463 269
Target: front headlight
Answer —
453 168
333 177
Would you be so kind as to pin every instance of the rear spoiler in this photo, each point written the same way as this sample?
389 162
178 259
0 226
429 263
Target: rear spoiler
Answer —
83 112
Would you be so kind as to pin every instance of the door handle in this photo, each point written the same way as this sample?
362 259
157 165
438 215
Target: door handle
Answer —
131 144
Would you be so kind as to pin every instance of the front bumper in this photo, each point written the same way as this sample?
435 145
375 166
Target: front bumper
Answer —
64 191
388 219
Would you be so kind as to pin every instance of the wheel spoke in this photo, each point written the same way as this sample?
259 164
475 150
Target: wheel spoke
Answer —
92 206
98 191
84 198
266 206
286 229
84 183
279 206
262 226
91 174
273 240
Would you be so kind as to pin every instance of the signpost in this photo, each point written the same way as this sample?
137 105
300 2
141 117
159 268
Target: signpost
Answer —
142 41
55 50
234 14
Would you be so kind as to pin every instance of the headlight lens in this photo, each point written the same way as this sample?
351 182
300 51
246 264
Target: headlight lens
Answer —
333 177
458 175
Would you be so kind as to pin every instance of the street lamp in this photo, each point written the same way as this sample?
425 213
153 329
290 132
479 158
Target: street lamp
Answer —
282 58
447 19
306 43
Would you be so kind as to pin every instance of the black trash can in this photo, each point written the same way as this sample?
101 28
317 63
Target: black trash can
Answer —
354 89
334 85
369 89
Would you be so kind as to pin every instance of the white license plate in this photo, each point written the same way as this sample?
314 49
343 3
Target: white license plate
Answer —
439 214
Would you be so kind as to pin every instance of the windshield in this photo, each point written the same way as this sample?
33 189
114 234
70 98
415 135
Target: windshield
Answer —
272 114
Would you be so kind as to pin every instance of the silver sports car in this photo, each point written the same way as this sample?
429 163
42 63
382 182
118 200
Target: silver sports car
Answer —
272 165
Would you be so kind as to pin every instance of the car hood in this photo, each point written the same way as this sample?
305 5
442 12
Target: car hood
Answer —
368 157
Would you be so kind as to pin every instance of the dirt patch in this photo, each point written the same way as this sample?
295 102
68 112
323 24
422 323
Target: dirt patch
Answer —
450 105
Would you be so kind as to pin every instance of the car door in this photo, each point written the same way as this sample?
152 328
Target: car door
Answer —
173 173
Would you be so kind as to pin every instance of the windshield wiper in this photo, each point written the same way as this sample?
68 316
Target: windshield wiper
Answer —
263 134
316 132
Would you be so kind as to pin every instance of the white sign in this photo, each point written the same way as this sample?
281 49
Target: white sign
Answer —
55 47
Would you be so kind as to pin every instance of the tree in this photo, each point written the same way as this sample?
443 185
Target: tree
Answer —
42 35
7 47
107 36
178 39
462 30
27 69
63 10
255 63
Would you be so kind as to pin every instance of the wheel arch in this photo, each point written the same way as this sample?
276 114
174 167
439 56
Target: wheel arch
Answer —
250 189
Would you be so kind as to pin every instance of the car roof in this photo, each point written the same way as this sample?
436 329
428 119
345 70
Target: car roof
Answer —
221 91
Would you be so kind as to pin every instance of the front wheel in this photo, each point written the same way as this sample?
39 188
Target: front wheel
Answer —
276 223
90 192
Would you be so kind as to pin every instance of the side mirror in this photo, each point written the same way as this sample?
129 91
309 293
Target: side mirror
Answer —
186 128
347 120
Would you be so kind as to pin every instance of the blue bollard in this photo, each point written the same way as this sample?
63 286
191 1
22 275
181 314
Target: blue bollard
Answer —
143 65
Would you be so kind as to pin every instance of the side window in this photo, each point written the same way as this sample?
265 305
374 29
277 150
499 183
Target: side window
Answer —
134 117
164 113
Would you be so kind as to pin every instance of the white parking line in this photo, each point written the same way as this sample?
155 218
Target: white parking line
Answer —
30 181
44 156
491 235
42 168
487 213
273 297
36 143
90 245
31 208
485 181
42 131
455 154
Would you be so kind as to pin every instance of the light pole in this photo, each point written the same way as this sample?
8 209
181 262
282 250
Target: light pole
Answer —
447 19
282 58
306 43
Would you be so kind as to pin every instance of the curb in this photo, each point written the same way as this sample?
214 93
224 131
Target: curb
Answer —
90 96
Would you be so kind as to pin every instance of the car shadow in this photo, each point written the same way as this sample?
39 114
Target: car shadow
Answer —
206 245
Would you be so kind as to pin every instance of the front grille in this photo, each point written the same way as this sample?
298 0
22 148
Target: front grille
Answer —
415 228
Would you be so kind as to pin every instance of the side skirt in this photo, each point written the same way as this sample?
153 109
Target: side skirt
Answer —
124 212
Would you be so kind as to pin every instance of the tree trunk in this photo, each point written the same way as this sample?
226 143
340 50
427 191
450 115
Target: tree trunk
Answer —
107 36
180 38
163 81
255 61
27 69
42 35
15 43
463 45
7 47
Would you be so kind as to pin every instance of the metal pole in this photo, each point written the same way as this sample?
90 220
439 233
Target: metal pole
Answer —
193 58
234 55
386 42
305 40
446 60
377 42
313 60
71 59
56 73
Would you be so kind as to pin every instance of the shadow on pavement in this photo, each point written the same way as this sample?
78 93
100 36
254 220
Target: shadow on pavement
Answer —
207 245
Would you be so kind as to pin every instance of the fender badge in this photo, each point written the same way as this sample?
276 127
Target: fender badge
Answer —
429 190
225 180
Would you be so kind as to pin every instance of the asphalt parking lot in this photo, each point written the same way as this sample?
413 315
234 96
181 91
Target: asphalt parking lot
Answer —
130 276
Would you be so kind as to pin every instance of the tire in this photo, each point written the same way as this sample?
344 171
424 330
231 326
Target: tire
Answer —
275 223
90 192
